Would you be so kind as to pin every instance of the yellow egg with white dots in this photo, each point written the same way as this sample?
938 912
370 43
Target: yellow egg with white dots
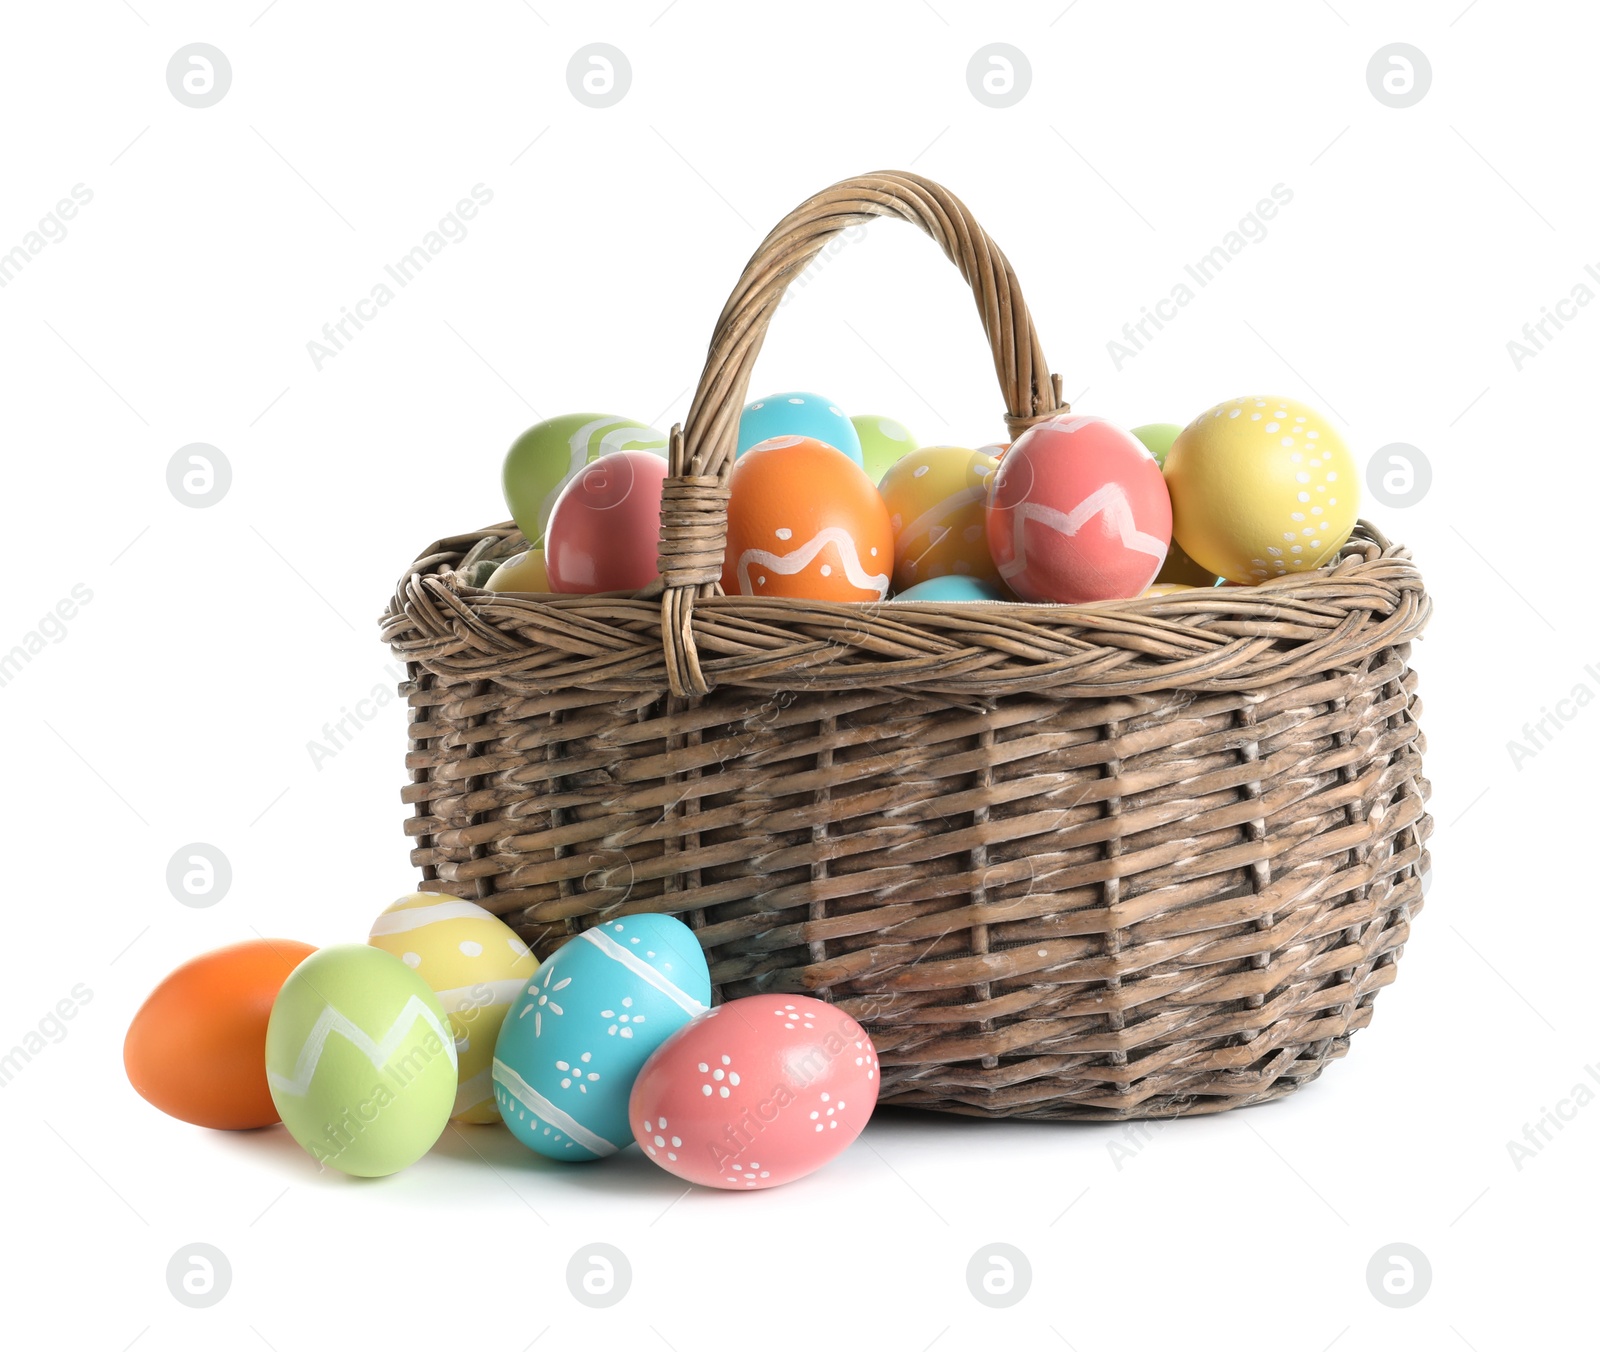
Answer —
1261 487
476 964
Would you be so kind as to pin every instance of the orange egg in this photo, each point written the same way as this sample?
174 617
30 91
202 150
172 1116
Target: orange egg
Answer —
197 1047
805 521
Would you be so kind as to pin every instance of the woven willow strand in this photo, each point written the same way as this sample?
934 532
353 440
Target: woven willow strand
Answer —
1142 858
695 532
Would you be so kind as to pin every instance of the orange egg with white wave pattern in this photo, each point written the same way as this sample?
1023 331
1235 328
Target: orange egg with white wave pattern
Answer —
804 521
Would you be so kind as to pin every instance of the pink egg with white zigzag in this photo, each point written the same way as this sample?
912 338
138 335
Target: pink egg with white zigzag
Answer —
805 522
1078 511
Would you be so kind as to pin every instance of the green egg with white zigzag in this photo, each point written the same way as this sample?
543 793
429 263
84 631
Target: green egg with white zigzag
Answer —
545 458
360 1060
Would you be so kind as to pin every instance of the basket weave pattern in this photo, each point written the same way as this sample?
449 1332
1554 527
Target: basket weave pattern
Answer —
1133 859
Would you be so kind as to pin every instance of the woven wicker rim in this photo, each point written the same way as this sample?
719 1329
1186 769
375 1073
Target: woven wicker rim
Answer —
1218 792
694 517
1226 638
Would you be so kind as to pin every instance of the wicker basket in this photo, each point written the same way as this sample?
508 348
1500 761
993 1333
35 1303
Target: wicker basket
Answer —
1136 859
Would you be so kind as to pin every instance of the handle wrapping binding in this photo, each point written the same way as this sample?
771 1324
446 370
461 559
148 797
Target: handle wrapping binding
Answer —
694 504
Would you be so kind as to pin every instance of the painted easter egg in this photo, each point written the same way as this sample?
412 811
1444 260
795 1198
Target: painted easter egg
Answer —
805 522
1261 487
936 497
1168 588
524 572
578 1035
475 963
1180 568
1078 512
798 414
604 531
756 1093
196 1049
545 458
953 587
1157 438
361 1060
883 441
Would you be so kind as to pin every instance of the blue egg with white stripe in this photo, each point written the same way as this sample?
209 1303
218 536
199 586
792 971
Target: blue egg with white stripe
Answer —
798 414
580 1031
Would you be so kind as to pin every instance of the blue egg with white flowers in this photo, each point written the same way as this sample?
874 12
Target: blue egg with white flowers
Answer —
798 414
951 587
578 1034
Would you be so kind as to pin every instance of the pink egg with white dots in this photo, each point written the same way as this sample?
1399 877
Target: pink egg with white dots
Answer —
756 1092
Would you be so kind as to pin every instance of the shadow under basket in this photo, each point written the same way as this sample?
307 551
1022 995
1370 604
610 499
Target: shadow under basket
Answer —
1134 859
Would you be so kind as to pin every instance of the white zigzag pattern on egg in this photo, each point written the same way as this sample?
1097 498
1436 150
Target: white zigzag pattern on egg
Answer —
1069 423
936 516
584 441
1109 500
331 1021
798 558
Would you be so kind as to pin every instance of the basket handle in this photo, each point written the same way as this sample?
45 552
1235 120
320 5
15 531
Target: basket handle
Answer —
694 501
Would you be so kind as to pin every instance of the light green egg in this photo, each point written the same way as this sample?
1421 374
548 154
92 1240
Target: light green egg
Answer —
883 441
1158 438
545 457
360 1060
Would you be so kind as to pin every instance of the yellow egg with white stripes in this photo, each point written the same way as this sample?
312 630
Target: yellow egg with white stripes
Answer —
476 965
935 497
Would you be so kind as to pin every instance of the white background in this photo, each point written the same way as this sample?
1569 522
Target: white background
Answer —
179 704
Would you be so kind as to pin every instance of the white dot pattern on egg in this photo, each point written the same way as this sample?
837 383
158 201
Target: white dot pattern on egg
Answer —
797 414
798 559
760 1099
475 964
1288 429
580 1031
